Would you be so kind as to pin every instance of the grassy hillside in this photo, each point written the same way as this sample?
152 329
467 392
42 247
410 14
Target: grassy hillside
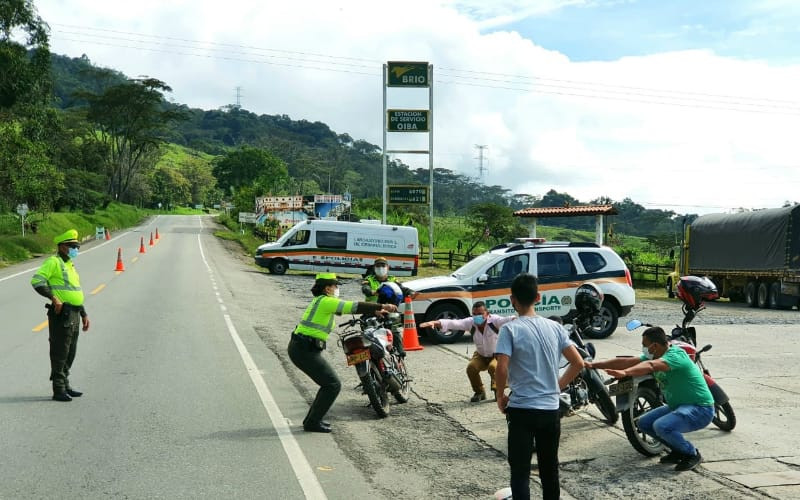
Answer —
16 248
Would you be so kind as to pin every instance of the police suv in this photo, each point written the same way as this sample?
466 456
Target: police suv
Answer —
561 267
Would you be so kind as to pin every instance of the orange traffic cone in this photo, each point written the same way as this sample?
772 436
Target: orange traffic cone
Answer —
151 239
108 235
410 337
141 246
120 267
157 236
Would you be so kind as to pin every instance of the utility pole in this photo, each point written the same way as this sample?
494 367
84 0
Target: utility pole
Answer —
481 169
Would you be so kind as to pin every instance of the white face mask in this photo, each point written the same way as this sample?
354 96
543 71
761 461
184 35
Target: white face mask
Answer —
646 353
336 292
381 272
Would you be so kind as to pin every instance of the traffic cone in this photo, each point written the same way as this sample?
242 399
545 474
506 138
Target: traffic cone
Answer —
151 239
410 337
157 236
120 267
141 246
108 235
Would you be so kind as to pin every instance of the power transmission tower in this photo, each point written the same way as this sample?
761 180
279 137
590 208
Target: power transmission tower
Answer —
480 158
238 104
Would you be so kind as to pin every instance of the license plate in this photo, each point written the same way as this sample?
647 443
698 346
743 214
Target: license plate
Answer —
357 357
621 387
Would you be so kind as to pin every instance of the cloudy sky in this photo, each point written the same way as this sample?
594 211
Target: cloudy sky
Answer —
684 105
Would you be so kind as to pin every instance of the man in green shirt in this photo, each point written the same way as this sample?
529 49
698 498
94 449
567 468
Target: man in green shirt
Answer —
58 281
690 405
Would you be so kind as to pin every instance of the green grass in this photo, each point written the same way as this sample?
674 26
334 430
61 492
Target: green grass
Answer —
16 248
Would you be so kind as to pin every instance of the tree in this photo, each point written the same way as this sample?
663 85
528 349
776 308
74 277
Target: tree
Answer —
246 165
130 120
170 187
26 173
497 220
23 79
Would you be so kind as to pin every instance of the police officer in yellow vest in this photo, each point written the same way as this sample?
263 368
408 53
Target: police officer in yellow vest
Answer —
309 340
58 281
370 288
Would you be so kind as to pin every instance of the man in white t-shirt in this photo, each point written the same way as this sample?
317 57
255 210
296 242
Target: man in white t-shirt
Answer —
528 352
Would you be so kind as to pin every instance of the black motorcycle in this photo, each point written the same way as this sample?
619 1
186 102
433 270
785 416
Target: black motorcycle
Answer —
588 387
367 345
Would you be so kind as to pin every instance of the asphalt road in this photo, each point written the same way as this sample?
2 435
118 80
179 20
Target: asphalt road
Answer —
189 394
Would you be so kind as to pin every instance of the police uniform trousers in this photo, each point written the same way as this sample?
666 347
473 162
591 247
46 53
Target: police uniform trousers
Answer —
307 356
64 329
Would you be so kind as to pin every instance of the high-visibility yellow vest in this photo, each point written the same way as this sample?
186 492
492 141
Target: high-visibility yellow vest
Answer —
375 283
317 321
62 278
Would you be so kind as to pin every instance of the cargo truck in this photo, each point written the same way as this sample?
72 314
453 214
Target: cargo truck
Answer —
752 257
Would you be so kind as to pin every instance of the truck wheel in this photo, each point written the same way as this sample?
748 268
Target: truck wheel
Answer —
670 293
775 295
750 293
763 295
604 323
278 266
448 310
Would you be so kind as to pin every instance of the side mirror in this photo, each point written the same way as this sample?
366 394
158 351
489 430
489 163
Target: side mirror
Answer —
633 325
483 278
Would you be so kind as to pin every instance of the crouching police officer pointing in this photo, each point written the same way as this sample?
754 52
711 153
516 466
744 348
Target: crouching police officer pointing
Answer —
58 281
309 340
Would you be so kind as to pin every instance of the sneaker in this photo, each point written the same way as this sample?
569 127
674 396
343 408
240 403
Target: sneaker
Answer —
673 457
478 396
689 462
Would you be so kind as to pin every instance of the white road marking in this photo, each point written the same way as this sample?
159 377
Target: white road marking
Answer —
302 468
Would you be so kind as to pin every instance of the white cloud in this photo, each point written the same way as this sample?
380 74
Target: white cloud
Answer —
533 107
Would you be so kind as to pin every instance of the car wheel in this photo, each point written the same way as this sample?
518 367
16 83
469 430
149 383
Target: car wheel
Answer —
604 323
670 293
278 266
448 310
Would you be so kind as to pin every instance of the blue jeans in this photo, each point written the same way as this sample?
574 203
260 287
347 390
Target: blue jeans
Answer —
669 425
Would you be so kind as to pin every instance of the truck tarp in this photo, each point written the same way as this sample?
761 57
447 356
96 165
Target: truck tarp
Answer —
764 240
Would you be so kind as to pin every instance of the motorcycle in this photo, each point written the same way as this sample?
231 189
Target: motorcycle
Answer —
638 395
367 345
588 387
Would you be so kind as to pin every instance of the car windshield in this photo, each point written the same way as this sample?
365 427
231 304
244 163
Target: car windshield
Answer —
473 266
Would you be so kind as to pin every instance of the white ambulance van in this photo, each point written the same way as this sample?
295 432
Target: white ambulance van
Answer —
341 247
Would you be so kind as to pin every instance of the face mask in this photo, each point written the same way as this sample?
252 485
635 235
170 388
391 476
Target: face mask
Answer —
72 252
381 272
336 292
478 319
646 353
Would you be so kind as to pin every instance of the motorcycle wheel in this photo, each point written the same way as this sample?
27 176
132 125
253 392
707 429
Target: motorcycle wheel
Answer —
402 395
724 417
644 400
598 394
376 391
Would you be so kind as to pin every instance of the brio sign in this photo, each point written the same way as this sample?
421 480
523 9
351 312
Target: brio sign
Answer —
407 74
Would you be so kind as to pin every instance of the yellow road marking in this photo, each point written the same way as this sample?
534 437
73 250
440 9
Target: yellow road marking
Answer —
41 326
97 289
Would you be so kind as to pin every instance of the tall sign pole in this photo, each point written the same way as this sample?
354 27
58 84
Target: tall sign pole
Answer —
430 164
409 74
383 185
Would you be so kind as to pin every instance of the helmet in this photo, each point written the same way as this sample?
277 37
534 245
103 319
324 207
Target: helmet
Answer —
693 290
588 299
390 293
